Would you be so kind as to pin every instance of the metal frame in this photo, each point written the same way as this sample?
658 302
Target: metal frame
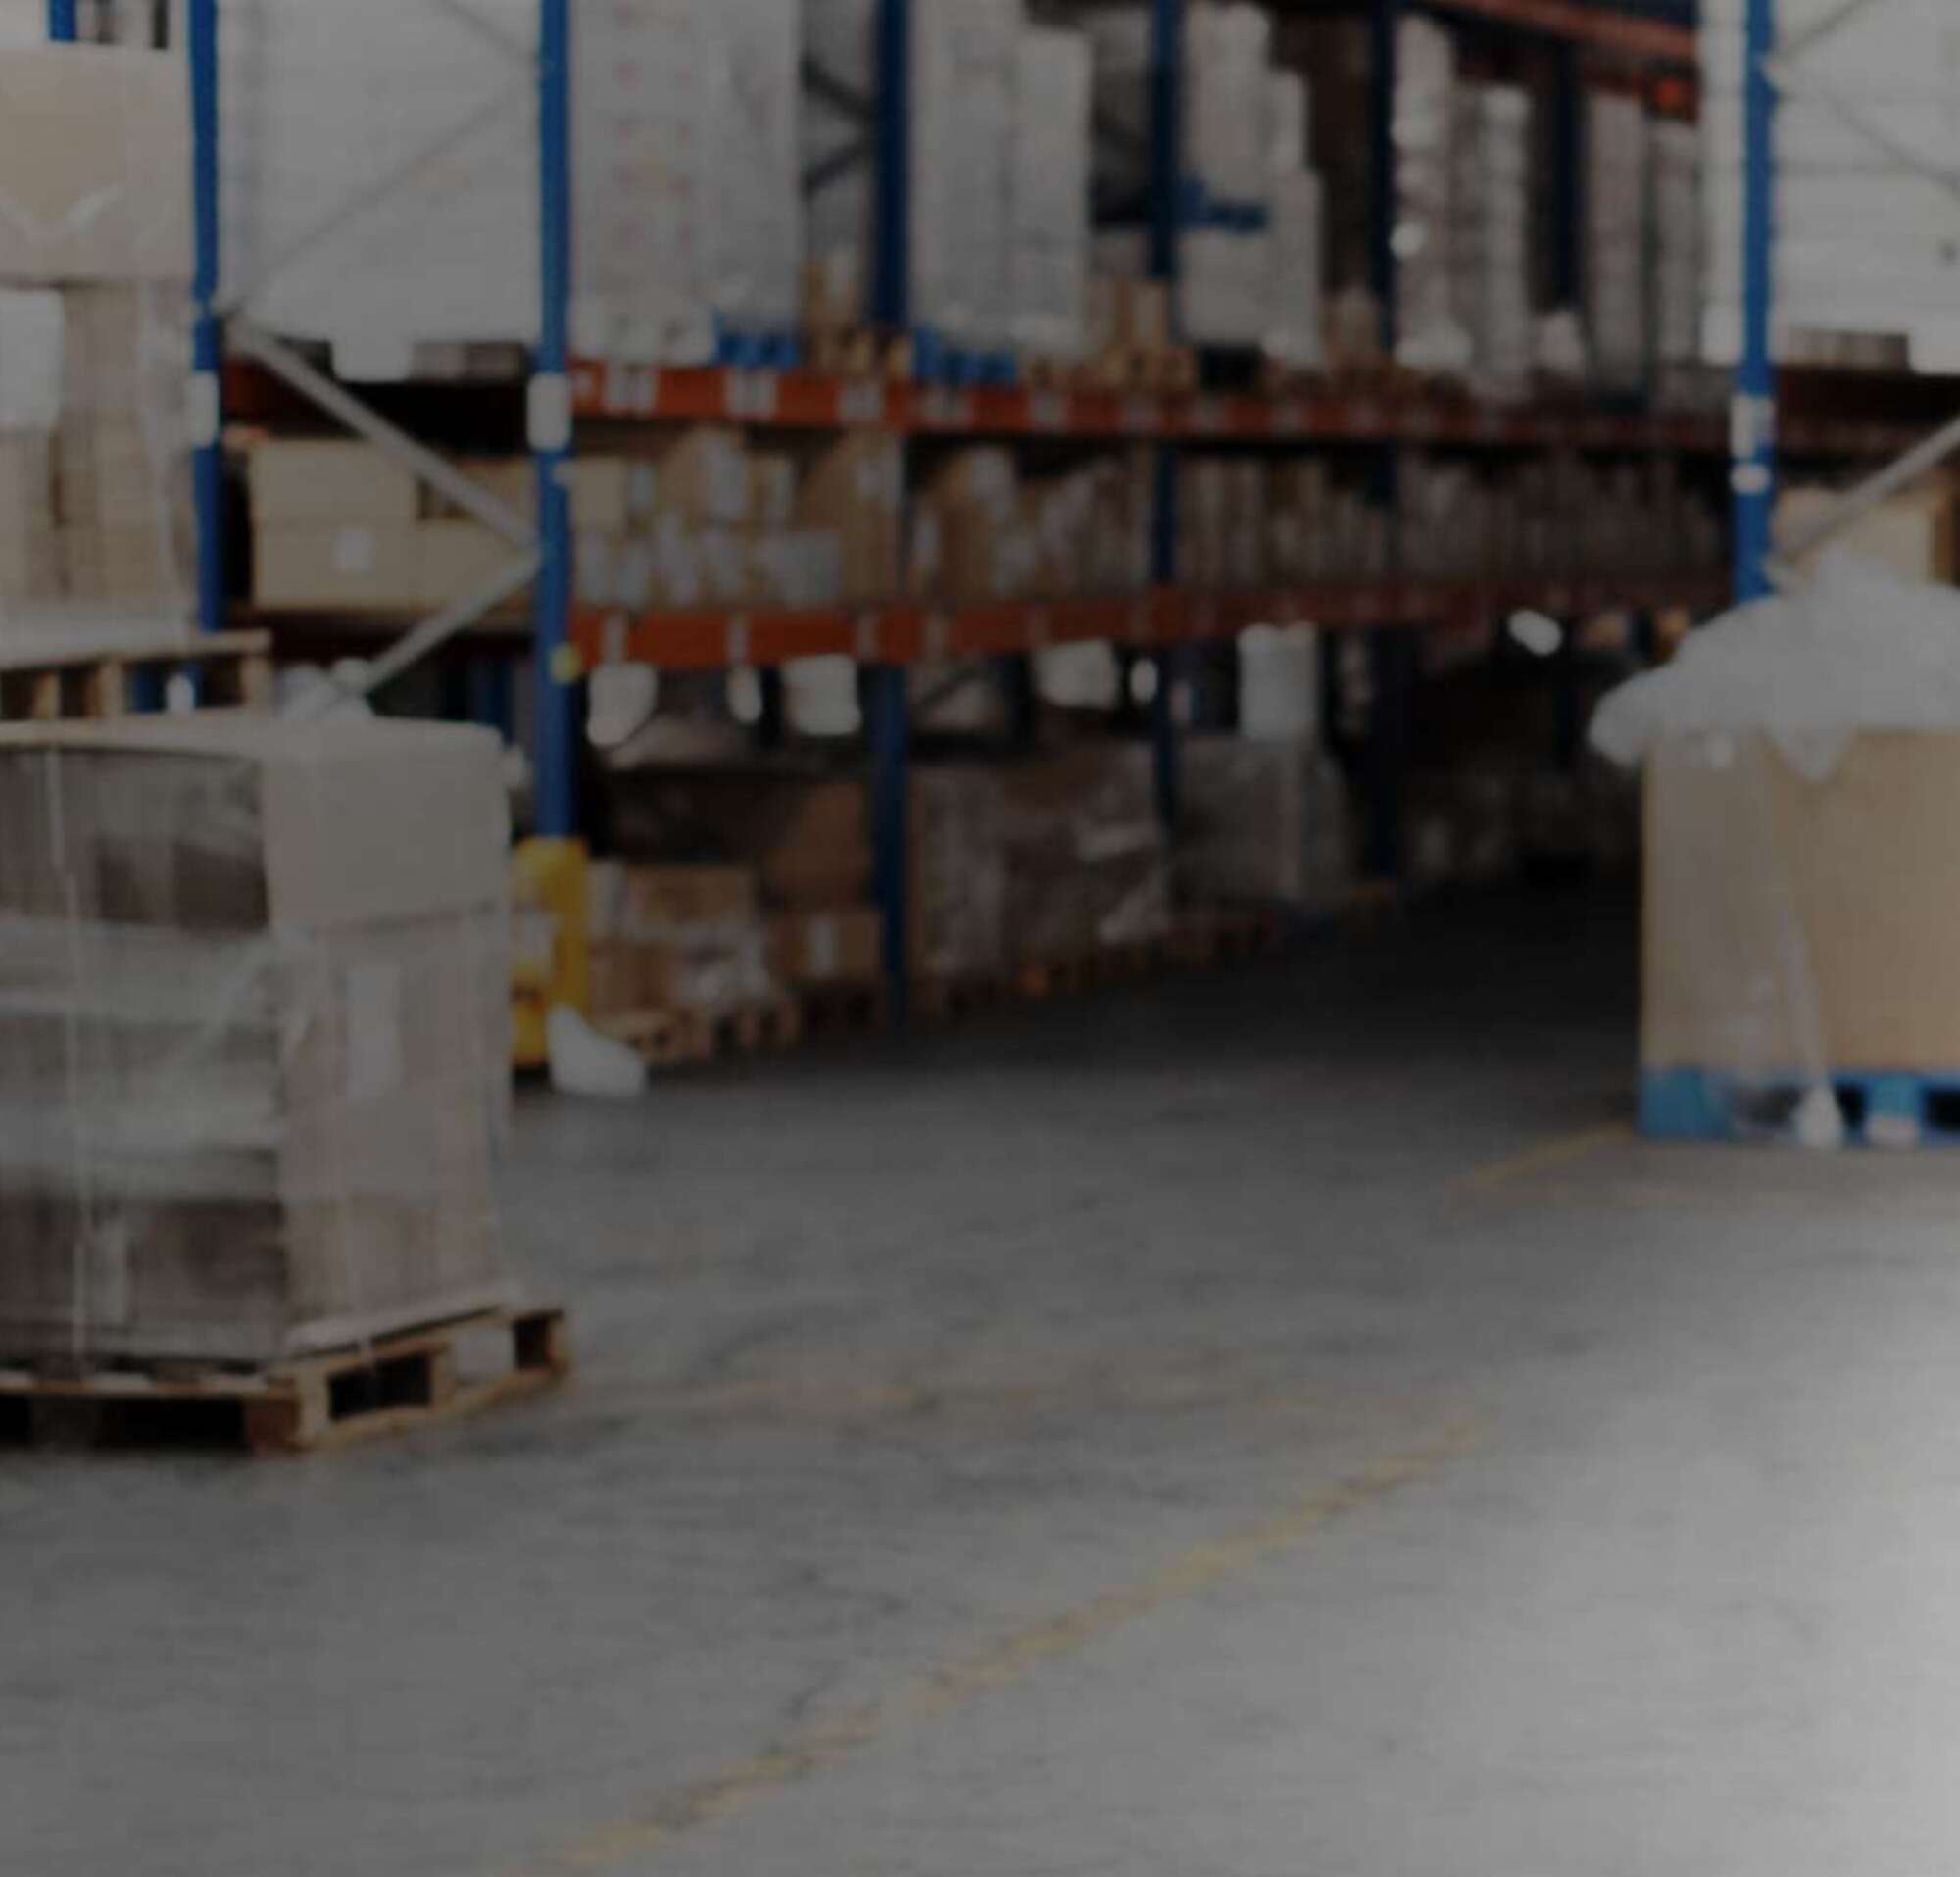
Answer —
542 544
1774 70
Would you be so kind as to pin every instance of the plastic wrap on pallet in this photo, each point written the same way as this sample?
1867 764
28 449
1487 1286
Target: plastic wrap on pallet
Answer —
1618 220
1490 240
1085 855
94 353
965 81
1052 231
1801 755
380 173
1263 823
1429 334
253 1012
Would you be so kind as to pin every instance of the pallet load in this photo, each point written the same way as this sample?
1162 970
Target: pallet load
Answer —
253 1002
966 82
685 175
1252 210
1800 758
94 257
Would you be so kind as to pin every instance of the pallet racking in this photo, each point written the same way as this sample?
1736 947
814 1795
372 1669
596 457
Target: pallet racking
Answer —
566 396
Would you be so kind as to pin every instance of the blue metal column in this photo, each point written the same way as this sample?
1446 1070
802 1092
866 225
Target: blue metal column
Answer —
1568 181
1753 420
1391 649
892 233
891 815
1166 211
62 27
549 429
207 385
888 697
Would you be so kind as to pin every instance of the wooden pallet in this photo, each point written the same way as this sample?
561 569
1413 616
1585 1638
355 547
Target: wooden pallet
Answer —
93 680
942 1001
1224 935
1161 370
393 1385
858 352
1128 962
845 1009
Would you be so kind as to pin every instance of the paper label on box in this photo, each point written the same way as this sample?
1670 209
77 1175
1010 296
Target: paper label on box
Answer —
374 992
356 550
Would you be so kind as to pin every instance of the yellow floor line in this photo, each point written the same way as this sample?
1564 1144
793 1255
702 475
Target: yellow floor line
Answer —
1545 1159
1009 1659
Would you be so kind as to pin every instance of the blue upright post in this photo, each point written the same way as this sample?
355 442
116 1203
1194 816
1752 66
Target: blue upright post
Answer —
550 427
890 806
1568 180
1166 207
892 236
206 384
1384 24
62 27
1389 650
1753 425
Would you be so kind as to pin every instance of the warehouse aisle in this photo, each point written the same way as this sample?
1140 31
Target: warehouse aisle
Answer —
1257 1427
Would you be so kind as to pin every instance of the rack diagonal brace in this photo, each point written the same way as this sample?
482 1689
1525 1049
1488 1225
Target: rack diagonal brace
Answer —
492 109
471 496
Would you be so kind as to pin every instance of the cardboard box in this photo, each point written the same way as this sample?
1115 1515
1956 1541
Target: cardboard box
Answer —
1913 535
454 559
1263 823
329 484
846 946
357 567
96 149
293 950
1796 927
807 840
854 489
701 474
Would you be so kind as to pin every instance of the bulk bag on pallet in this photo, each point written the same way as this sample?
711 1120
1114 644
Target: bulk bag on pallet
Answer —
1802 759
253 996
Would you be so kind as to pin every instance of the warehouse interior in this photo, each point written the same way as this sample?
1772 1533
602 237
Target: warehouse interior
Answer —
987 935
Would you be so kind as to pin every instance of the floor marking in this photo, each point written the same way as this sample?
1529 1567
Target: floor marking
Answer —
1543 1160
1009 1659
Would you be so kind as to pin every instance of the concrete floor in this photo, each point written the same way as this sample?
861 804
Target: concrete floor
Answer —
1268 1426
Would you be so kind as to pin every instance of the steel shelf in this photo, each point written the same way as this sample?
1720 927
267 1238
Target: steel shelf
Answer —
1606 28
815 401
912 633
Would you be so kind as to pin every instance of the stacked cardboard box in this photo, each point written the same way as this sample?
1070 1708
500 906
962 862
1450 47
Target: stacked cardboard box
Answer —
966 76
1618 219
93 494
1222 519
1086 862
1563 513
675 938
1051 194
254 993
698 520
686 173
1490 241
803 844
1324 524
1263 823
983 531
120 468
